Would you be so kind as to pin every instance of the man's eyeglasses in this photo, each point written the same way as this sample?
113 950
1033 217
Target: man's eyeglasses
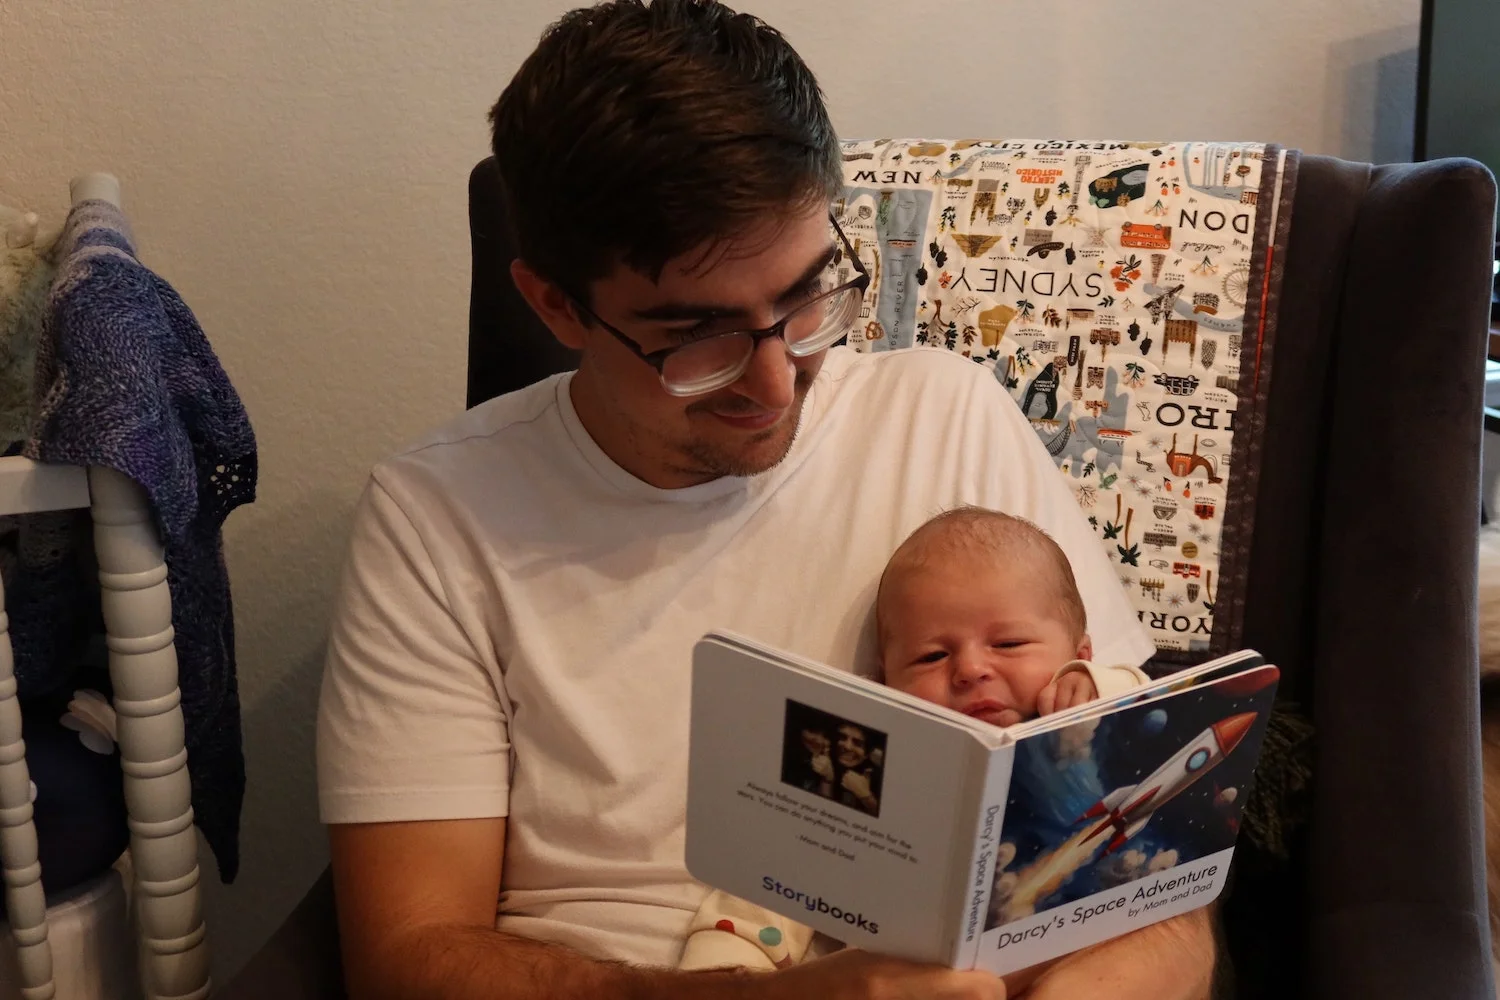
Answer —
717 360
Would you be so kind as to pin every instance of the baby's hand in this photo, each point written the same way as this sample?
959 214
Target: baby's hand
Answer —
857 784
822 766
1071 689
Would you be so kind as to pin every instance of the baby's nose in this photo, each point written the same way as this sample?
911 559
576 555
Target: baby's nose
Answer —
971 665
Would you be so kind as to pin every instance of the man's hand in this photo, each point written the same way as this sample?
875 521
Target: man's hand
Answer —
416 904
1072 689
858 975
1172 960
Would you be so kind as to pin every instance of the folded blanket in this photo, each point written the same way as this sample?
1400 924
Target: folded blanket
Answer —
126 379
27 267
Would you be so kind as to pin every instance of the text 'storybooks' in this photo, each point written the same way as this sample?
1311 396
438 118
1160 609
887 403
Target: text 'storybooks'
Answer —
901 827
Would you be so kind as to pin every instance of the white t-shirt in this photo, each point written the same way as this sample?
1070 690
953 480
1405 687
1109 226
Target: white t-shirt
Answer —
517 616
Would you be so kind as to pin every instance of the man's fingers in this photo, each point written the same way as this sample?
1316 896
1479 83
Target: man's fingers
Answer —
851 974
976 985
949 985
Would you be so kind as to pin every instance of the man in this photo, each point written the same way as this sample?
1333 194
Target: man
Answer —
503 728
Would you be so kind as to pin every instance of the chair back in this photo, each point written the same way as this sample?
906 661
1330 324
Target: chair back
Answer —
1267 367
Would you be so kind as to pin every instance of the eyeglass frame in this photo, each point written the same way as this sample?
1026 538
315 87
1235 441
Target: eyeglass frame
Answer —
658 359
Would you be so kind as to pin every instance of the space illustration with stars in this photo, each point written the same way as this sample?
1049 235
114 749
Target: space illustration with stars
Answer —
1131 794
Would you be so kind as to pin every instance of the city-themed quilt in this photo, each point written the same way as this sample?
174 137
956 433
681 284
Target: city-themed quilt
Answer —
1124 293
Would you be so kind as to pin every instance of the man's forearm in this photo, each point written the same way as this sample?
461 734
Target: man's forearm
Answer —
472 963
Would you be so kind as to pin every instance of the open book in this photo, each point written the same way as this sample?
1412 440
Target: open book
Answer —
901 827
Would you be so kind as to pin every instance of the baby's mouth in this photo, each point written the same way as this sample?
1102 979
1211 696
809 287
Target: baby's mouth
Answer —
994 712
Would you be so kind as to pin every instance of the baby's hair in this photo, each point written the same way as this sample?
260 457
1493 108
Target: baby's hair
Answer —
995 534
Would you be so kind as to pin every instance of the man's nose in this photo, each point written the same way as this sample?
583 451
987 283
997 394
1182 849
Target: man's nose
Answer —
770 381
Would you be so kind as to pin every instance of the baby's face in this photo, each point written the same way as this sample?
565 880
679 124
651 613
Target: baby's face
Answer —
976 637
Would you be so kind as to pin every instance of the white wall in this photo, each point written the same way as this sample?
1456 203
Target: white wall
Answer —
297 169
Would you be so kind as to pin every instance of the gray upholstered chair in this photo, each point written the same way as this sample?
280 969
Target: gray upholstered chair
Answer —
1361 585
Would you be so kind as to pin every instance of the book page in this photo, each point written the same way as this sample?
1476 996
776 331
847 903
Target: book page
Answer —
1118 821
852 815
990 736
1179 680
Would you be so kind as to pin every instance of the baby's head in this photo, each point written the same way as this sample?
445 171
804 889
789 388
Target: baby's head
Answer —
814 742
977 610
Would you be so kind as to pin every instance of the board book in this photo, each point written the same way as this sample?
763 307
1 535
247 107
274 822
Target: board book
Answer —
902 827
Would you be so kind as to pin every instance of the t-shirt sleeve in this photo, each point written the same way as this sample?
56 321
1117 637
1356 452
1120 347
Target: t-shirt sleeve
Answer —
412 722
1035 490
1110 680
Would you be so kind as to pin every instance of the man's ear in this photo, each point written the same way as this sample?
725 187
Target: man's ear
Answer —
551 304
1085 649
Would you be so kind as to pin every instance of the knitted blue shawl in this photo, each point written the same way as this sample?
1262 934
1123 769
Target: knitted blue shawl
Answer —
126 379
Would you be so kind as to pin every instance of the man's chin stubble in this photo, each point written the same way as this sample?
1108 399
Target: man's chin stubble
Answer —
708 461
714 463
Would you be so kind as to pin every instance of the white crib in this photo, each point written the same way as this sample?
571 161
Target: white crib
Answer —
173 954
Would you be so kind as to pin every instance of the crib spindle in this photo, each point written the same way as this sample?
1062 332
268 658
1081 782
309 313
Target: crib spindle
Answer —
158 797
25 903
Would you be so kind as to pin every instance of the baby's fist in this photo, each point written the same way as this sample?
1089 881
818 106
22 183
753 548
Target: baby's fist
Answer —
1072 689
857 784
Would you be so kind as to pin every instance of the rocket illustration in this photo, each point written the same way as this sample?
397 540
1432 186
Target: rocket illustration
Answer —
1127 810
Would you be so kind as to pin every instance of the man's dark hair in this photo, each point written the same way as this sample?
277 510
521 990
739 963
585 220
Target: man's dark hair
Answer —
636 133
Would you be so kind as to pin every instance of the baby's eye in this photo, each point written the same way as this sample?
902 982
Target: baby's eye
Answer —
932 657
1010 644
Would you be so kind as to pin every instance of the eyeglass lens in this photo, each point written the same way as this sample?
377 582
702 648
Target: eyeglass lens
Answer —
716 361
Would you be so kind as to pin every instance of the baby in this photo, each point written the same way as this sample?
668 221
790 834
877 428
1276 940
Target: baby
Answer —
977 611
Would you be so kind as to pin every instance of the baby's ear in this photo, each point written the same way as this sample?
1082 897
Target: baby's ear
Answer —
1085 649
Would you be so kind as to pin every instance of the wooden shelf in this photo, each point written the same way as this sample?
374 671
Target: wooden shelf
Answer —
28 487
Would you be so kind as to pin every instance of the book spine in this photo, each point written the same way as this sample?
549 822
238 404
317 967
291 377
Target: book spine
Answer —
979 874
